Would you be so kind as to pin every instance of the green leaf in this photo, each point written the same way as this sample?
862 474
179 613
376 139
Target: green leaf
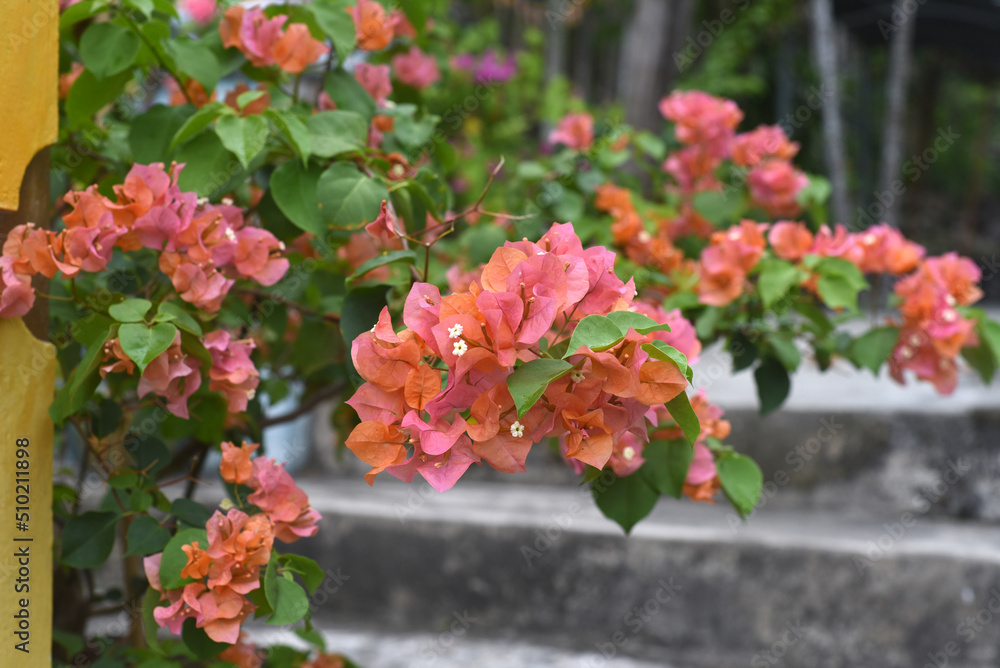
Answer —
651 145
90 94
311 573
81 12
146 536
108 48
743 350
528 382
872 348
150 601
175 313
667 464
333 18
288 600
348 198
145 6
334 132
294 129
815 315
625 500
839 283
151 133
209 167
348 94
784 349
197 640
773 384
982 360
130 310
142 344
407 256
84 379
775 280
741 480
87 539
637 321
198 121
294 190
662 351
190 512
685 417
245 137
596 332
719 208
195 60
174 560
989 332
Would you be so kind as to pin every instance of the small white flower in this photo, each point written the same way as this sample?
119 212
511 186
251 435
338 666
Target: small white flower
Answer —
251 393
949 300
372 330
460 348
916 340
906 352
227 201
869 239
628 454
644 237
949 315
576 375
517 429
456 331
735 234
202 201
230 234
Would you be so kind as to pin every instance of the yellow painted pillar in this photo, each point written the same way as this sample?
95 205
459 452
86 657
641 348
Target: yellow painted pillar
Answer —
27 378
29 57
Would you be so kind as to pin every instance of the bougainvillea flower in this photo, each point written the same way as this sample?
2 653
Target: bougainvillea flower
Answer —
748 149
377 444
774 185
236 466
703 119
790 240
374 30
16 294
575 131
376 79
416 68
257 106
172 375
297 49
383 227
201 11
250 31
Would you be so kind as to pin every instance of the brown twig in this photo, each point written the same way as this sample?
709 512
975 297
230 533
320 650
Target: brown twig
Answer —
308 405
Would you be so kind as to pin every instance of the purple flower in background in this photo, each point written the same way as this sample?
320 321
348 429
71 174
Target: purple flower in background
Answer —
490 69
486 69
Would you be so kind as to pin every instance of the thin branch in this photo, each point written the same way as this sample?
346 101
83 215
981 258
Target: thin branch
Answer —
307 406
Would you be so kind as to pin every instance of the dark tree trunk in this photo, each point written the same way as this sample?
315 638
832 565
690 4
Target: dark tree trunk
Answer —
34 208
894 132
824 37
647 70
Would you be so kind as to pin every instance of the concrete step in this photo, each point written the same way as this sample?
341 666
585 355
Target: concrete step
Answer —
447 649
691 587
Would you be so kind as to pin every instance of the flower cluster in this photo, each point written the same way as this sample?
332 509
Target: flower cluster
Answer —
702 481
266 41
437 397
221 573
203 246
706 125
933 331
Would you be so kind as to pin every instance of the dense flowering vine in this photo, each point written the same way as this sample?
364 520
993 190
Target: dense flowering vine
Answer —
444 393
